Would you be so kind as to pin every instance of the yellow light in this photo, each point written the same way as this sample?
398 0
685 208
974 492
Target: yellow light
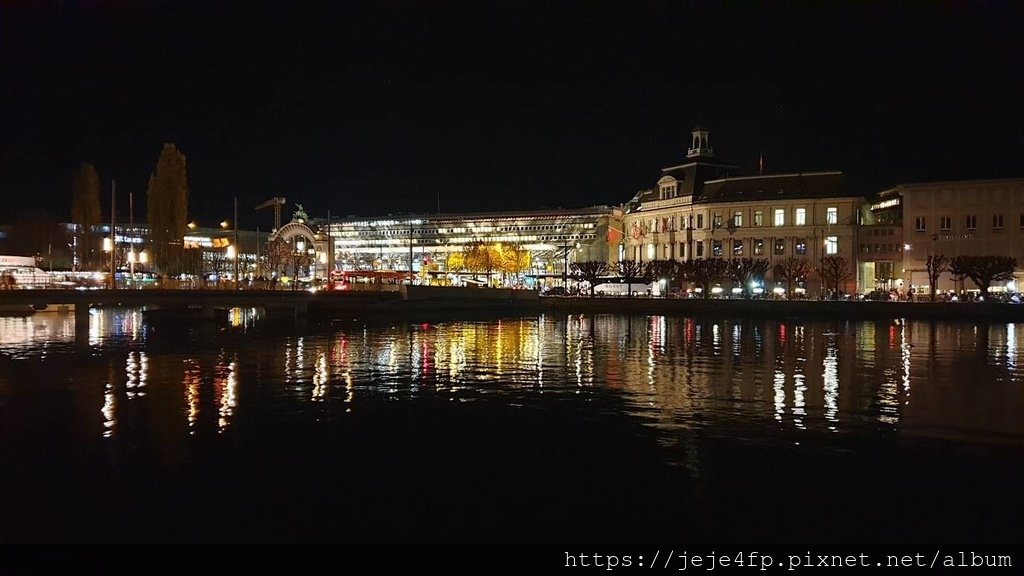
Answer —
231 252
143 257
108 244
192 225
131 256
224 224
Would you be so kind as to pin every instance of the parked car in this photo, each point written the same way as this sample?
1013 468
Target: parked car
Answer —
556 291
879 296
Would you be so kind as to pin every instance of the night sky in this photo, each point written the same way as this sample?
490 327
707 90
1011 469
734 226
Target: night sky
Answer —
382 107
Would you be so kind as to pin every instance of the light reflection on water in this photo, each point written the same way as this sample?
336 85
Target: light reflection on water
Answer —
675 373
473 420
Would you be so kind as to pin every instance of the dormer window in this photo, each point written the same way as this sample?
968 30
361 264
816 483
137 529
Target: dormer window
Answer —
668 191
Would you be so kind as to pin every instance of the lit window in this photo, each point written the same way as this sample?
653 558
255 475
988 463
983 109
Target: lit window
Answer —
758 247
718 221
831 215
801 217
780 247
716 247
759 218
831 245
780 217
801 246
737 247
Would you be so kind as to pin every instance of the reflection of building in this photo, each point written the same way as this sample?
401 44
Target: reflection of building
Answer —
700 209
552 239
969 218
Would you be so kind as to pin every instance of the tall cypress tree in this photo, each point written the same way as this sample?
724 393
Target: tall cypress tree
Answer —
85 212
167 210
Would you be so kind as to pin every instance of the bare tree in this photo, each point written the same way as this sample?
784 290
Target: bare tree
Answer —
704 272
658 269
589 272
630 270
791 270
936 265
983 270
747 271
834 271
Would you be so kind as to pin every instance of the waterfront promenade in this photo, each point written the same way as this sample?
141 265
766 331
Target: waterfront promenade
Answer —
302 304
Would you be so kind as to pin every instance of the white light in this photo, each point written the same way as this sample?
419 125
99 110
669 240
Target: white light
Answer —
108 244
231 252
131 256
758 290
779 290
906 246
737 290
143 257
300 245
799 290
716 290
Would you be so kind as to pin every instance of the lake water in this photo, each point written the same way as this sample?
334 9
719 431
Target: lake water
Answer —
534 429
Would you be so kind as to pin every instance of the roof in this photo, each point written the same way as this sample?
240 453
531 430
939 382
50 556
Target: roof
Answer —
774 186
991 181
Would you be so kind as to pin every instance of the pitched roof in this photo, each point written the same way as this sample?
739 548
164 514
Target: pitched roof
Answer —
773 186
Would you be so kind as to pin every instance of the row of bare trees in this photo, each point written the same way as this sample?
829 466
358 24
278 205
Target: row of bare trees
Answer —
982 270
705 272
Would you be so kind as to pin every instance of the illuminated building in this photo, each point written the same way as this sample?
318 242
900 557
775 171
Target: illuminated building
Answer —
961 218
548 240
702 209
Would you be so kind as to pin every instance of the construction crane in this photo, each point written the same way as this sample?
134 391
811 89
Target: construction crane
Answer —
276 203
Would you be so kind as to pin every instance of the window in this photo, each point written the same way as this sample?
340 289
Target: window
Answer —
758 247
919 224
700 220
759 218
718 222
801 217
801 246
651 254
737 219
780 217
681 249
716 247
832 245
780 247
737 248
997 221
946 223
831 215
700 248
971 222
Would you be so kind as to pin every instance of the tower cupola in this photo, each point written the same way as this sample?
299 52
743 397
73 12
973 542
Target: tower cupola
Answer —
700 146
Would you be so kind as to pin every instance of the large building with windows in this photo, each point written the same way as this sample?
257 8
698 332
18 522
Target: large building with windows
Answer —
970 218
545 243
703 209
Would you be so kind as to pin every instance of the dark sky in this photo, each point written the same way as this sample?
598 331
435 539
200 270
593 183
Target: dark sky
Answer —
381 107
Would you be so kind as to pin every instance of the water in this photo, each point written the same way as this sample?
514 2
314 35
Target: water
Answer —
536 429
